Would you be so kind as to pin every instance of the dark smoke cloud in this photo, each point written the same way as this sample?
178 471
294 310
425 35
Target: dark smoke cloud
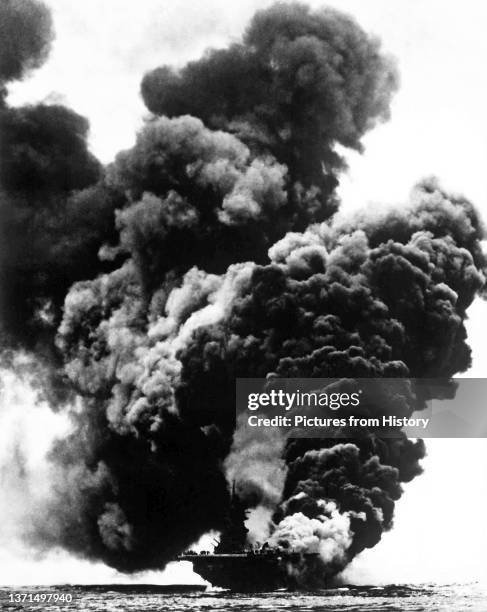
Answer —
333 302
123 498
26 33
221 260
44 151
55 209
371 297
196 196
55 212
298 84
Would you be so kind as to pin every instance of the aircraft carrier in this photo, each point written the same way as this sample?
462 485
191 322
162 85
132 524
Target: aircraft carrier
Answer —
233 565
264 570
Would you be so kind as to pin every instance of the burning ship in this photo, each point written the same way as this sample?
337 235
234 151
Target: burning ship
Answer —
250 570
236 566
134 295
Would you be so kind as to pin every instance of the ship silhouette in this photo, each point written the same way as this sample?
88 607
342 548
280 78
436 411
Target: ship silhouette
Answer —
236 566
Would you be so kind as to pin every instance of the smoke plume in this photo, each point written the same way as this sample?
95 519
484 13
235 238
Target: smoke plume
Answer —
26 33
211 251
298 84
56 211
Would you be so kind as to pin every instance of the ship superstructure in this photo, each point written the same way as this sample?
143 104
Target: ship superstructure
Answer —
234 565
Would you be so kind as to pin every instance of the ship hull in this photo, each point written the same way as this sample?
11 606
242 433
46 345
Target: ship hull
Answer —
246 572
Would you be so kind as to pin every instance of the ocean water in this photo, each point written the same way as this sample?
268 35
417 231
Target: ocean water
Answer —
401 598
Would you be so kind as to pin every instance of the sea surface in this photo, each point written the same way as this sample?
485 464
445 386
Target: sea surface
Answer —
448 598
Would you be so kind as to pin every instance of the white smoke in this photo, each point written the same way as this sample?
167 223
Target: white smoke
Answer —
328 535
28 427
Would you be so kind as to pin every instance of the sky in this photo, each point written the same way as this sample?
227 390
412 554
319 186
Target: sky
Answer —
438 127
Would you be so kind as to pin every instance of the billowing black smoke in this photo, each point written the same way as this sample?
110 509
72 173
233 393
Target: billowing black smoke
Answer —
208 251
366 298
26 34
55 210
298 84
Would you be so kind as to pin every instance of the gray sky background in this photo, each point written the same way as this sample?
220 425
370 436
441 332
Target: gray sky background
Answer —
438 126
